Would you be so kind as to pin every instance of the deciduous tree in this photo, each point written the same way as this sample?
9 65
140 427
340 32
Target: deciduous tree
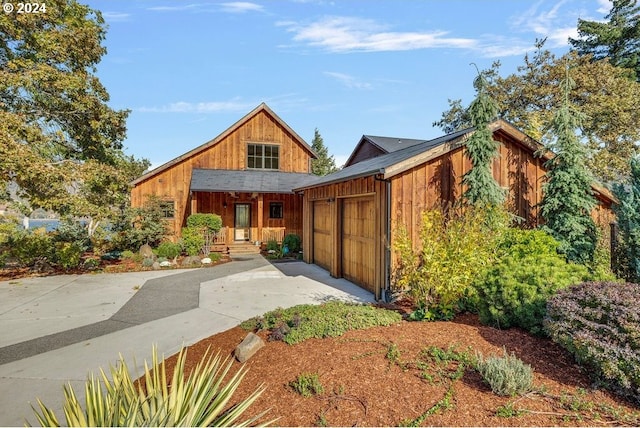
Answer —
59 139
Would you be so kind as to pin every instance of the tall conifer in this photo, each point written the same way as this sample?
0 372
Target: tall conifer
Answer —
482 188
568 199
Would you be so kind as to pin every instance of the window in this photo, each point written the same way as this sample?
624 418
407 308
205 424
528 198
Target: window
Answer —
167 208
263 156
275 210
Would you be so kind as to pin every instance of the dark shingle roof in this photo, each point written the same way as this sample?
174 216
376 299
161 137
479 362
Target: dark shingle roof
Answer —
378 164
392 144
222 180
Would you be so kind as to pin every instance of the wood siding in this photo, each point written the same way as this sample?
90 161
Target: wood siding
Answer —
230 153
364 151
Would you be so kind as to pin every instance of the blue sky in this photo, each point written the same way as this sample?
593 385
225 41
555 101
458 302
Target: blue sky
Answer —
189 70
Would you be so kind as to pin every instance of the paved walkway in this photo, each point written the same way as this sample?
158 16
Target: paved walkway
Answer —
55 330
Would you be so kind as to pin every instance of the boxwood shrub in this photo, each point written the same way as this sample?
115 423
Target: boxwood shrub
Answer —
599 323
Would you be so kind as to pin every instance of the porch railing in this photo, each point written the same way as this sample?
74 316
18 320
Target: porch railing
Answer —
212 239
273 233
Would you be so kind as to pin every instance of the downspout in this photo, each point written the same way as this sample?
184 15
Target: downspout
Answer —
387 248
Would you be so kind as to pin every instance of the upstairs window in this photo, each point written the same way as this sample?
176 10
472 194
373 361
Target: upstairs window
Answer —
263 156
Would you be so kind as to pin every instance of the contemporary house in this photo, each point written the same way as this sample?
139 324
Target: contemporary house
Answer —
246 175
350 216
256 175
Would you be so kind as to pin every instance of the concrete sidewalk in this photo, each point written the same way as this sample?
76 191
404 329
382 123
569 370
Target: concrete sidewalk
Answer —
55 330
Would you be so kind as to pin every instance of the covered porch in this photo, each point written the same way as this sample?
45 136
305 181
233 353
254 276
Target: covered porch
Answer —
255 206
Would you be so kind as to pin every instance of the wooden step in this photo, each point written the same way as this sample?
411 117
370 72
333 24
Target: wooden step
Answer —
243 248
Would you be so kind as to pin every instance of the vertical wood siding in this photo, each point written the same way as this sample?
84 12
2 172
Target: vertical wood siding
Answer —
229 153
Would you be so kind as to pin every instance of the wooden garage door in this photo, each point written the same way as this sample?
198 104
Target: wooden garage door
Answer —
358 243
322 234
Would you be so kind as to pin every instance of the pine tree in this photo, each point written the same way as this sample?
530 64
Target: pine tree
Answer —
628 214
482 188
618 39
568 199
325 163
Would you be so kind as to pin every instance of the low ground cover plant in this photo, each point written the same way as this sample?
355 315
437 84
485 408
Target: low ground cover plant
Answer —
506 375
307 384
329 319
599 323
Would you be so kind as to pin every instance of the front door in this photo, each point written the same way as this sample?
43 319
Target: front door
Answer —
242 222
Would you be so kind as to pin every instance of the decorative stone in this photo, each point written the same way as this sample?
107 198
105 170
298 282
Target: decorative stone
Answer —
191 261
248 347
156 266
165 263
206 261
146 251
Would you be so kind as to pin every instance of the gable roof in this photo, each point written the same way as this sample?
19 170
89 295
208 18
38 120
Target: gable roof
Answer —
384 144
222 180
398 161
261 108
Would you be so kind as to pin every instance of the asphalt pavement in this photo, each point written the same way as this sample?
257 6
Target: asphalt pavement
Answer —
56 330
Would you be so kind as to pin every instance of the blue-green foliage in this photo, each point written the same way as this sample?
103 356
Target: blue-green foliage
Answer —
568 198
482 188
628 213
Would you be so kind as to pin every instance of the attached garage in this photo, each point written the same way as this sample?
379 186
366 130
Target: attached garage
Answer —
350 216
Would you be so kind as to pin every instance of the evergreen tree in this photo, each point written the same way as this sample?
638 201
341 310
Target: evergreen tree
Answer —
618 39
628 213
325 164
482 188
568 199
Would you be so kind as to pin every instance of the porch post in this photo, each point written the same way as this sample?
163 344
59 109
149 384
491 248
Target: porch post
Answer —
194 203
260 216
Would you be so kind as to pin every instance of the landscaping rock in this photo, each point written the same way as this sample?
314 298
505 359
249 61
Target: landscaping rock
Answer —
191 261
248 347
206 261
156 266
165 263
146 251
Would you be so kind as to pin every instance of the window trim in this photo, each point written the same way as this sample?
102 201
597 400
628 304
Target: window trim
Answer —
263 157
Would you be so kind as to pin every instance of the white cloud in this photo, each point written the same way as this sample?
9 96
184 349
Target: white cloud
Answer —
348 81
241 7
182 7
346 34
554 24
115 16
200 107
604 6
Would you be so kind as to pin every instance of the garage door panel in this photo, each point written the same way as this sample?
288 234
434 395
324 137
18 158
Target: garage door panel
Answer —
322 234
358 243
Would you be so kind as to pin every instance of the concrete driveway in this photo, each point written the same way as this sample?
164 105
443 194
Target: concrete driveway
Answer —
55 330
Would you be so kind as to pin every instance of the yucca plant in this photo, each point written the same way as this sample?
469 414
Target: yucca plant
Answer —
200 399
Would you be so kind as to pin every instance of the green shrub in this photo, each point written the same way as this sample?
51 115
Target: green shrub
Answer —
74 232
169 250
506 375
200 398
140 225
330 319
127 254
28 246
215 257
91 263
292 242
599 323
68 254
514 292
450 254
307 384
192 240
147 262
272 245
212 222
